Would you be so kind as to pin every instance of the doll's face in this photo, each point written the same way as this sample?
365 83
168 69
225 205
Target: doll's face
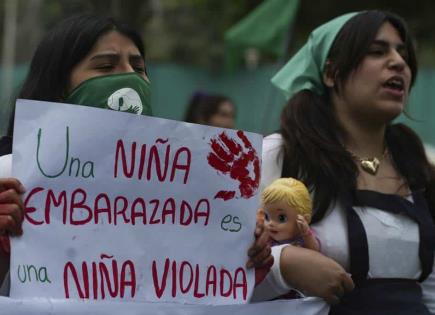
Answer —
280 220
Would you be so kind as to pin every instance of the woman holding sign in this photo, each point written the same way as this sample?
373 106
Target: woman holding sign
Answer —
81 55
86 60
373 187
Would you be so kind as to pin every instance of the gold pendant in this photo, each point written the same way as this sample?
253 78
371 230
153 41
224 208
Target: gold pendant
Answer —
370 165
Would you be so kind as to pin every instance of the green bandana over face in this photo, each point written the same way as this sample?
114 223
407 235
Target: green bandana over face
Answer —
304 71
125 92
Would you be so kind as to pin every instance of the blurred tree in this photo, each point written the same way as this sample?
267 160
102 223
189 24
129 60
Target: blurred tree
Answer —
192 31
418 14
36 16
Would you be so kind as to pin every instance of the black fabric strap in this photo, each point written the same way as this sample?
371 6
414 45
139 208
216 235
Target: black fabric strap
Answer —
358 245
5 145
382 297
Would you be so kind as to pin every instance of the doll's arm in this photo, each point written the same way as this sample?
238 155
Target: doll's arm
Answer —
310 240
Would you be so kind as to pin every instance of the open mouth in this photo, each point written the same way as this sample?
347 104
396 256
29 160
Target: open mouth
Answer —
395 83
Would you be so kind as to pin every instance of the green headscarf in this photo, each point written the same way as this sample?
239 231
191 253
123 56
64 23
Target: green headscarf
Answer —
305 70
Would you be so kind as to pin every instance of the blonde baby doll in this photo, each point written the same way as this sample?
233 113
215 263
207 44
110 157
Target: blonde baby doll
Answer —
287 209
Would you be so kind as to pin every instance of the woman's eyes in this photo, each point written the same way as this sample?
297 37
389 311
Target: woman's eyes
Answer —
139 69
381 51
105 66
377 51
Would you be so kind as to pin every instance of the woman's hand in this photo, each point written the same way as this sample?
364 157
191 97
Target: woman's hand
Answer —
11 206
314 274
260 253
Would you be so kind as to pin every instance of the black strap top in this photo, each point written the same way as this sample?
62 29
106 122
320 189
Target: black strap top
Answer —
358 245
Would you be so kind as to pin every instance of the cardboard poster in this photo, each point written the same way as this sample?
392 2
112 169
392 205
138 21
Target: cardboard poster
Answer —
132 208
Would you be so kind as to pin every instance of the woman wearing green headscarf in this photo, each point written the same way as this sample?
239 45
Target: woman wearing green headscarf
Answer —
373 187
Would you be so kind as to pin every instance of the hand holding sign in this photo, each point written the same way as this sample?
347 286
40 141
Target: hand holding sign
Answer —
260 252
230 157
11 206
11 211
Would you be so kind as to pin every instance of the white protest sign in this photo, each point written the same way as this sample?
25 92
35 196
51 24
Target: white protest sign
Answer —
307 306
132 208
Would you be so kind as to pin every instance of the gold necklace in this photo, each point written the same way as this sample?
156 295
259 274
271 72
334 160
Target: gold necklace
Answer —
369 165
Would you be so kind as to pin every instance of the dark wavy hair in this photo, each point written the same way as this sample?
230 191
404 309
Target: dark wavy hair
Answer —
312 147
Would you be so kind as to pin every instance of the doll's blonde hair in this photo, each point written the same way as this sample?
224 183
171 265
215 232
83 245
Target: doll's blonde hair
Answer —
294 192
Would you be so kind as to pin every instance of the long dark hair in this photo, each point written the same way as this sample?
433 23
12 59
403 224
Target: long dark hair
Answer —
312 147
62 48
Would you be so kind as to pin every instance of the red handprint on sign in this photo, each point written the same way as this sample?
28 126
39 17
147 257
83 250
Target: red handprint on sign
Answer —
230 157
